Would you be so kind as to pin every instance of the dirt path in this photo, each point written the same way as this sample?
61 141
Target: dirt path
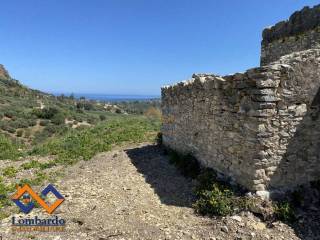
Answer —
136 194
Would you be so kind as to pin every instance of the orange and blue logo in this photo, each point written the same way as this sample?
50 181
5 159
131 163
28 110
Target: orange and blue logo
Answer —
26 204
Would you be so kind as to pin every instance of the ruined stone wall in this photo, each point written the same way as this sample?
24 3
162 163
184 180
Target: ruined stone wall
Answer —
300 32
261 127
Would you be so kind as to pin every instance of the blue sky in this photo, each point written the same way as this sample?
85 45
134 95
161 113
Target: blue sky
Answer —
132 46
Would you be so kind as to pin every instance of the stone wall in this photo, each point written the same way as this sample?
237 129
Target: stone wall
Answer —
260 128
300 32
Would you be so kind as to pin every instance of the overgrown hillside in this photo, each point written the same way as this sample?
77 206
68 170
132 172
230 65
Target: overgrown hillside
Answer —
31 117
40 134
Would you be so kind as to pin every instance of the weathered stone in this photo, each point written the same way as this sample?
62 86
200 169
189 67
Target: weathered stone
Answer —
260 128
300 32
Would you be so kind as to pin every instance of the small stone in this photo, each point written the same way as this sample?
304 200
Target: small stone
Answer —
236 218
225 229
265 195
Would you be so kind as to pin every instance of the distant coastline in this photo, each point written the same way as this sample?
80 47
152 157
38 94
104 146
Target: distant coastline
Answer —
111 97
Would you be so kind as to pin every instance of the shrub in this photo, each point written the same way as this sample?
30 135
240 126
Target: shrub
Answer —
46 113
102 117
217 201
8 128
19 133
27 133
217 198
9 114
58 119
9 172
32 122
284 211
85 105
44 122
4 192
30 165
153 112
8 149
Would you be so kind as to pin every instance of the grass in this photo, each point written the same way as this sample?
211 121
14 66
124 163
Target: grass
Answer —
9 172
9 149
214 197
84 144
217 198
285 211
5 190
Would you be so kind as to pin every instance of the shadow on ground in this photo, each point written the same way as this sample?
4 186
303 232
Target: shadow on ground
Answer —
171 187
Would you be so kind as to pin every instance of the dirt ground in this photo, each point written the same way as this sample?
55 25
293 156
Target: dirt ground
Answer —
134 193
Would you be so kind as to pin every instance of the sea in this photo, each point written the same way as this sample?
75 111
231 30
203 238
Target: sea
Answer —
111 97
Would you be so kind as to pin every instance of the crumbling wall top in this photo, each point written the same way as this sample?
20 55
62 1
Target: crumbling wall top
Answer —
299 22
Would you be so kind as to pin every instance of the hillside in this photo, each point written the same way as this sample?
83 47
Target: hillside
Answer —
29 116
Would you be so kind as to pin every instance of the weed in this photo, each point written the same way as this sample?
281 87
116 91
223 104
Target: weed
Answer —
8 149
284 211
84 144
9 172
30 165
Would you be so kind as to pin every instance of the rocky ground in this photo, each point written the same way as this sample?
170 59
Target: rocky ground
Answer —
134 193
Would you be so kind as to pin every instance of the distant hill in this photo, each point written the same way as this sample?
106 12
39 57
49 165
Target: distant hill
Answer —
32 116
3 73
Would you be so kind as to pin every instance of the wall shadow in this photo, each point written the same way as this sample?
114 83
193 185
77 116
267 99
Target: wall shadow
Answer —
301 164
171 187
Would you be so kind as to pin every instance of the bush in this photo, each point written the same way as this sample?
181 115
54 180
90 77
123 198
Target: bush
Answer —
102 117
9 172
46 113
58 119
217 198
44 122
27 133
9 114
30 165
217 201
284 211
153 112
84 105
19 133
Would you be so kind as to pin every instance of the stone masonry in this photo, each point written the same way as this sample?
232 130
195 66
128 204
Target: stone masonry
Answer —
261 128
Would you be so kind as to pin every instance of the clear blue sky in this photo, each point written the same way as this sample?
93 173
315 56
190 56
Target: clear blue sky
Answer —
132 46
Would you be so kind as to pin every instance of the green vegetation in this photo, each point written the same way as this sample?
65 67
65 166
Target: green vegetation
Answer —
5 190
217 198
84 144
37 124
9 149
139 107
285 211
9 172
214 197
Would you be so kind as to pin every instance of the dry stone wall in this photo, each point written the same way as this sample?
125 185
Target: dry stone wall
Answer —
300 32
261 128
